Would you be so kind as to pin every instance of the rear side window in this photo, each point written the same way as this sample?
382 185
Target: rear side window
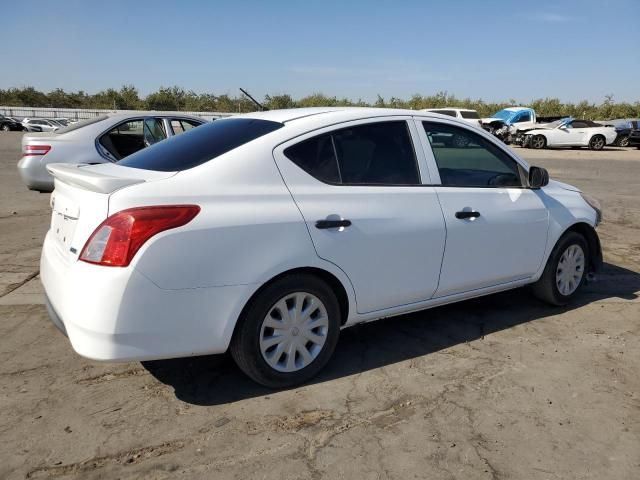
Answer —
469 115
372 154
200 145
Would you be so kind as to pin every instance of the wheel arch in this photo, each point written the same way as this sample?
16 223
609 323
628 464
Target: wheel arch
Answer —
329 278
593 241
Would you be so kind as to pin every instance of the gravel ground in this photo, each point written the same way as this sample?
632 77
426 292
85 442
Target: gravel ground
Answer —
494 388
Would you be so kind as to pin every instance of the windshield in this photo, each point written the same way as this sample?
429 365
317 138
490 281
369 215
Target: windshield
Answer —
504 114
199 145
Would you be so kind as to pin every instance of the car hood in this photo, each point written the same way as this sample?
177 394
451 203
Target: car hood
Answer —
556 185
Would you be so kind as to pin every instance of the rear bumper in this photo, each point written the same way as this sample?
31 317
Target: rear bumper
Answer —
53 316
34 174
117 314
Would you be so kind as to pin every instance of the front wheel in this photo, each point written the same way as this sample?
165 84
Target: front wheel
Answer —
597 142
5 128
288 332
565 271
538 142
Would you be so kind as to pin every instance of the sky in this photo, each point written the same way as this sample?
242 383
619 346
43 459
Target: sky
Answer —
494 50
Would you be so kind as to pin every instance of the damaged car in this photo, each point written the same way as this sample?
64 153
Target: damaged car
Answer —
568 132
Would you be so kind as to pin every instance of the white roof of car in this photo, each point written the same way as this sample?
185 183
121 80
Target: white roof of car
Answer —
448 108
289 115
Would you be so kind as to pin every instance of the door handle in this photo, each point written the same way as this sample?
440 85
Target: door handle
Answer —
463 215
324 224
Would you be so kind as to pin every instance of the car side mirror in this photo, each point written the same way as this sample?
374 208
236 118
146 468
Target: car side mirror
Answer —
538 177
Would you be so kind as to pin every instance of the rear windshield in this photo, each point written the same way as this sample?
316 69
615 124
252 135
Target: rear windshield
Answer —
199 145
469 114
83 123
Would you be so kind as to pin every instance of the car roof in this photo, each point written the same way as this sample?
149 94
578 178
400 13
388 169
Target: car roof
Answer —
322 114
142 113
458 109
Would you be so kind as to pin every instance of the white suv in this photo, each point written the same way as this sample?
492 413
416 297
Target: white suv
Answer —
464 114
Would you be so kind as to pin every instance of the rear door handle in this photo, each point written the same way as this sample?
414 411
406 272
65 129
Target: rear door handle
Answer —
324 224
463 215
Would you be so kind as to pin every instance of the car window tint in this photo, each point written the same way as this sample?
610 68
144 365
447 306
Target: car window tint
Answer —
316 156
376 153
199 145
372 154
450 113
524 117
466 159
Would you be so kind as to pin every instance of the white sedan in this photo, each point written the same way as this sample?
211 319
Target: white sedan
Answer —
267 233
570 133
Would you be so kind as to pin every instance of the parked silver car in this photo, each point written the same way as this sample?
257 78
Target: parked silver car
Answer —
40 125
108 138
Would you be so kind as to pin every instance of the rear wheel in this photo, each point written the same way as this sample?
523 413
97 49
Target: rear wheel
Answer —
597 142
538 142
565 271
288 332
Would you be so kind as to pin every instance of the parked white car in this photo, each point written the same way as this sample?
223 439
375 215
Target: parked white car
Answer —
464 114
267 233
107 138
569 132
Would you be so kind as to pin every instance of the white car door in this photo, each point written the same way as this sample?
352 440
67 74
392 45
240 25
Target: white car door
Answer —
496 227
359 189
574 133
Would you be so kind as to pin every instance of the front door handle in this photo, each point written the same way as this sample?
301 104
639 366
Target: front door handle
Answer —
464 214
324 224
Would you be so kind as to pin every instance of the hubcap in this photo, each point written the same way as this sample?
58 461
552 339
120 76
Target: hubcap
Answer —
538 142
293 332
570 270
598 143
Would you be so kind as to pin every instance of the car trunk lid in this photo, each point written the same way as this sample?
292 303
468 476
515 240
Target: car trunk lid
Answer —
80 200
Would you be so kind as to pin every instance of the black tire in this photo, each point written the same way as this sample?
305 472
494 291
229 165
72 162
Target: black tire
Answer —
5 128
623 141
538 142
597 142
546 288
245 344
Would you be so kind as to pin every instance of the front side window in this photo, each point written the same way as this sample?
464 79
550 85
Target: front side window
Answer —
466 159
372 154
523 117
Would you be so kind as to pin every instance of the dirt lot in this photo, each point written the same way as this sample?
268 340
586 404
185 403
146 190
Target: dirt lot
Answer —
496 388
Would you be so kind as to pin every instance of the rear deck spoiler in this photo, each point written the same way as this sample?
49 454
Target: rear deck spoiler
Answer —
80 176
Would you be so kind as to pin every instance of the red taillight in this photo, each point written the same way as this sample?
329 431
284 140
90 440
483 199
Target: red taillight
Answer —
116 240
36 149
